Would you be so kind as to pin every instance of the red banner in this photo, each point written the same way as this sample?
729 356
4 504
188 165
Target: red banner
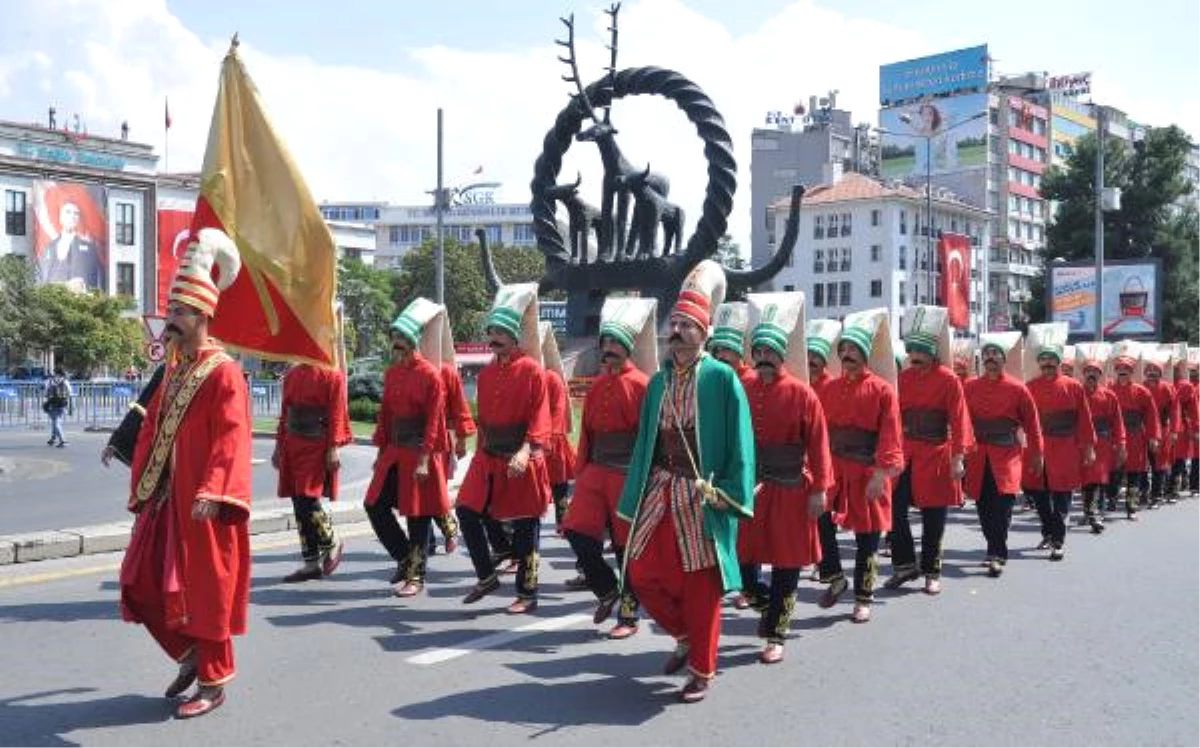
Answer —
173 232
955 253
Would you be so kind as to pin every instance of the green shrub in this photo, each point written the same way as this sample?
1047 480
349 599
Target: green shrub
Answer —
367 386
363 409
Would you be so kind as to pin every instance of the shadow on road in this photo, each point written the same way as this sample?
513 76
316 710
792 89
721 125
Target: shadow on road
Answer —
25 721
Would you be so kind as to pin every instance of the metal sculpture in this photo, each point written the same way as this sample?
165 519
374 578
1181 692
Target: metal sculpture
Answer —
627 256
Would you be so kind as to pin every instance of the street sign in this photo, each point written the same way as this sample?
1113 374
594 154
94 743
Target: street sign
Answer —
155 325
156 351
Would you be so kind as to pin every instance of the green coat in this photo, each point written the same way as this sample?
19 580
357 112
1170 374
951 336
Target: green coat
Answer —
725 438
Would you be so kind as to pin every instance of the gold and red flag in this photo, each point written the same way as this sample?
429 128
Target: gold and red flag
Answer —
281 307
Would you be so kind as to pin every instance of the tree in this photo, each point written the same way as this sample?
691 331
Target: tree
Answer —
1148 224
367 306
87 332
729 254
16 284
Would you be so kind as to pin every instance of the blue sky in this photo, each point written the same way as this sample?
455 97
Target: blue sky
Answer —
353 86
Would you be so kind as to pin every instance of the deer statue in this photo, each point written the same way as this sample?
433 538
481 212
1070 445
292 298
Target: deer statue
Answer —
614 201
582 217
650 209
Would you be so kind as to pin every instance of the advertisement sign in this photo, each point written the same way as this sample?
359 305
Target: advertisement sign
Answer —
960 70
938 135
554 312
70 241
173 233
1076 84
954 250
1132 299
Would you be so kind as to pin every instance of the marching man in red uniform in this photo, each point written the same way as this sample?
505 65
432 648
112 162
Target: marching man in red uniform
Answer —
793 466
1001 408
822 335
1141 424
508 479
560 456
1190 413
863 416
629 355
728 342
1102 478
410 434
313 425
1156 361
186 573
937 437
1067 434
964 359
459 424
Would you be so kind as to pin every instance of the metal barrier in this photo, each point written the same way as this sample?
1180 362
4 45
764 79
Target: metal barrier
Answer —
105 403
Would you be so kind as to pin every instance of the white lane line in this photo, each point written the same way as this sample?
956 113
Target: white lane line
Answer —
438 656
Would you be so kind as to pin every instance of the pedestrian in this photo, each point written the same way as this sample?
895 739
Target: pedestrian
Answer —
937 437
1067 434
314 425
690 480
608 430
862 413
1001 409
186 572
793 468
508 480
409 477
57 400
1102 478
1140 417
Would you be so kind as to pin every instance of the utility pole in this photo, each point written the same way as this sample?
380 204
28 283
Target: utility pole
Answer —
439 203
1099 230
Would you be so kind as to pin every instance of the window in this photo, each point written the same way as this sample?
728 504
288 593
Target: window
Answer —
845 293
125 279
845 259
901 294
14 213
788 287
819 227
876 251
902 257
818 294
903 222
875 218
493 233
833 225
845 224
125 223
818 260
523 234
831 292
876 289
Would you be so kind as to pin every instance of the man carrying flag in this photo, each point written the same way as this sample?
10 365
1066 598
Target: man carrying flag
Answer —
690 479
508 480
186 572
863 416
793 466
629 354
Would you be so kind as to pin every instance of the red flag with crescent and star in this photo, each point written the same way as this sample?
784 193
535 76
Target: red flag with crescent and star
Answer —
955 253
281 307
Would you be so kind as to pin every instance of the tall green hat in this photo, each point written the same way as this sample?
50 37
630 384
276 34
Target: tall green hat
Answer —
515 312
927 330
1011 345
423 324
822 336
778 322
1044 338
630 321
870 332
730 324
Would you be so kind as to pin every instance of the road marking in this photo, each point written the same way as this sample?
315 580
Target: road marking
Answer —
437 656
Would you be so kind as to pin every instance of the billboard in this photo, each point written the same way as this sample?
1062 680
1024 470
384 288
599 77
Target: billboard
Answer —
554 312
940 136
174 224
960 70
1132 299
70 239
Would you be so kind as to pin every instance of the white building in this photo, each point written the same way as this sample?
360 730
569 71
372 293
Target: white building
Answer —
862 245
401 228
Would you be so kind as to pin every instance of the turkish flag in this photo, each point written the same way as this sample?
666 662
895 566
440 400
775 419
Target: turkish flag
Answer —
173 231
955 253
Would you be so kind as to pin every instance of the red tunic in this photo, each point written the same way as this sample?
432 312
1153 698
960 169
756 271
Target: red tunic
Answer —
412 390
937 389
613 405
511 394
1063 454
302 470
1189 421
995 399
746 374
201 570
1110 435
818 385
1135 401
781 533
867 403
458 410
1168 420
560 457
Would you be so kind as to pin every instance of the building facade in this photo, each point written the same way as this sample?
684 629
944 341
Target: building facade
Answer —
402 228
861 245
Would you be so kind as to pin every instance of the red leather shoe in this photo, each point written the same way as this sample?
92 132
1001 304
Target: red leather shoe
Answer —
741 601
451 544
772 654
333 559
410 588
205 700
522 605
695 690
622 631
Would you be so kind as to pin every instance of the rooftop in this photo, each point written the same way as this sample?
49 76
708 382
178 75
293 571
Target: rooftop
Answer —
853 186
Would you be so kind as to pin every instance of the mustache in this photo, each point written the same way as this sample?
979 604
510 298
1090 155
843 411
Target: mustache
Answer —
174 328
764 365
675 338
609 356
495 345
848 360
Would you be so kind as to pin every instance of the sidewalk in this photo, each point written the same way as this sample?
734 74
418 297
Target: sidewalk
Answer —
106 538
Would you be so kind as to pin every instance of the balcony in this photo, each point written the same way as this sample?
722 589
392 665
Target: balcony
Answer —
1014 268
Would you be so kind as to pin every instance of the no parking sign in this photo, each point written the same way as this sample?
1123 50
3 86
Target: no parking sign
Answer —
156 346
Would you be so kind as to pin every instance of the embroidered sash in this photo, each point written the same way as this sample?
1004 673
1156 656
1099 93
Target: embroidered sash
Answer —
164 435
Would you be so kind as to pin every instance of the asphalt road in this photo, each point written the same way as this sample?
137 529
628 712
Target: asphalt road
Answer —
46 488
1101 649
